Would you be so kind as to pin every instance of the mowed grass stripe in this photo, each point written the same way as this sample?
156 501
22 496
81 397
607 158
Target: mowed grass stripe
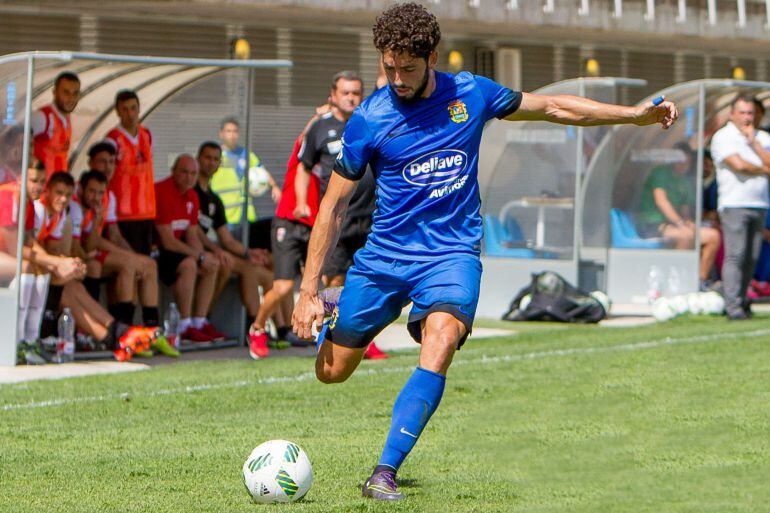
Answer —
481 360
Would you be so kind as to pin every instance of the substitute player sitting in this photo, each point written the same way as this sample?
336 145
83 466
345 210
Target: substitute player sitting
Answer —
421 136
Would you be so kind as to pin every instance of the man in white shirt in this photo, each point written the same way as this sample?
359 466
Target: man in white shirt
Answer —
743 165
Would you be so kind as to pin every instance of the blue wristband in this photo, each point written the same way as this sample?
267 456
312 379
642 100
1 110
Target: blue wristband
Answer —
657 101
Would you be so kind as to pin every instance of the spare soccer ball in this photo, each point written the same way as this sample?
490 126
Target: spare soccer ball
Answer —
713 303
277 471
258 182
663 310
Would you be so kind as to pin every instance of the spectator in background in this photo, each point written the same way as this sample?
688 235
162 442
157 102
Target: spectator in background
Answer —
51 125
667 210
229 183
101 157
125 266
321 143
11 153
133 179
251 265
290 235
37 264
183 264
743 165
90 317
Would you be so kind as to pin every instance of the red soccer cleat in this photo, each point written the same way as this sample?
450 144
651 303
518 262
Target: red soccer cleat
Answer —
374 353
212 332
258 344
195 335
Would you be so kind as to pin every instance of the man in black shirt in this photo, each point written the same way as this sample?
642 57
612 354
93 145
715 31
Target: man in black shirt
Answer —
320 147
252 265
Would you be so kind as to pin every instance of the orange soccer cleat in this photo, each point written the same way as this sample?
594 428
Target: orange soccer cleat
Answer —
137 339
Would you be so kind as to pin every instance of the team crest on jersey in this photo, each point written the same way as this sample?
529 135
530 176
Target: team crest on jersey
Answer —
458 112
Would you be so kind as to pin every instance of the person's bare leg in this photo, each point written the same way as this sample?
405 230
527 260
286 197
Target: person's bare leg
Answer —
683 236
249 285
124 271
281 288
93 323
148 281
335 363
223 276
710 241
204 293
184 286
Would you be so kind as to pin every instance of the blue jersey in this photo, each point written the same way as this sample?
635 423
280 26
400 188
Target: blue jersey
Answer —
425 158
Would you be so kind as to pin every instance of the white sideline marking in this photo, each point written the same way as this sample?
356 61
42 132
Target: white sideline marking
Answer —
483 360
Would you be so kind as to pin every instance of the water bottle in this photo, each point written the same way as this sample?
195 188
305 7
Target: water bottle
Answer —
330 297
654 285
673 284
171 325
65 346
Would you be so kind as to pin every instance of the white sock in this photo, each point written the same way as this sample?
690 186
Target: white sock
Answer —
198 322
37 306
27 288
184 324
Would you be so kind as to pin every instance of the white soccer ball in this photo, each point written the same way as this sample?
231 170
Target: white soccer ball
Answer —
695 303
258 181
713 303
679 304
277 471
663 310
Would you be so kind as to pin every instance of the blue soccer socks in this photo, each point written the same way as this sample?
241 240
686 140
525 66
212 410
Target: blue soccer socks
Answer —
413 408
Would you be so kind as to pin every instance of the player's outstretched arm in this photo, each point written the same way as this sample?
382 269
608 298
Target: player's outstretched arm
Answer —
574 110
309 309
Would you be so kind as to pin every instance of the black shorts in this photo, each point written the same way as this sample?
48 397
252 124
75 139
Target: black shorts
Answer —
168 262
353 237
140 235
259 233
290 240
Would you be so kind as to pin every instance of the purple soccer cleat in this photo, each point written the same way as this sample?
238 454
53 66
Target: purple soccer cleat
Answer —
382 486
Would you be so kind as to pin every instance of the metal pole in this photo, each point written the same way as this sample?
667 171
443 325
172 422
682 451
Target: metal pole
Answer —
577 211
246 197
699 179
9 358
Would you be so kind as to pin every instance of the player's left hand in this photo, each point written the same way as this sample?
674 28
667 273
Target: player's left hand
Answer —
650 114
308 311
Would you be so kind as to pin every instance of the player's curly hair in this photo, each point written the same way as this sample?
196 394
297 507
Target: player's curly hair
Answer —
407 27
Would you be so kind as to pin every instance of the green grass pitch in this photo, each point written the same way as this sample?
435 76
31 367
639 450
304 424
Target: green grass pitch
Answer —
669 418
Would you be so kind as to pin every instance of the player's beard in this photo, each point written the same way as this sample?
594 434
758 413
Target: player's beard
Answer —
418 92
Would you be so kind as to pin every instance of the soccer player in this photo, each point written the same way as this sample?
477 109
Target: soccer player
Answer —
126 266
133 180
102 158
49 221
250 265
51 125
421 136
183 263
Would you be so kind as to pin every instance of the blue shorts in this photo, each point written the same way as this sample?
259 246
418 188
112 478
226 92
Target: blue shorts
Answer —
378 288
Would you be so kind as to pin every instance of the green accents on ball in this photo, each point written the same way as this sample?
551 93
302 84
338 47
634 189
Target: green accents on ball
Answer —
260 462
286 483
292 451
